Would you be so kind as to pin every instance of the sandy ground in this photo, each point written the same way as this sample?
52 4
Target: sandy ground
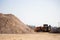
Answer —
36 36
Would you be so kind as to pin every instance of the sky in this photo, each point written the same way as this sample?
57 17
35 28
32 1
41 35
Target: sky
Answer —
33 12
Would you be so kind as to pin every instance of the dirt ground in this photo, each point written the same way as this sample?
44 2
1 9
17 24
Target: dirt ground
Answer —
36 36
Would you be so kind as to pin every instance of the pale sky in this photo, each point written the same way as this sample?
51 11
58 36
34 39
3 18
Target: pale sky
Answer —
33 12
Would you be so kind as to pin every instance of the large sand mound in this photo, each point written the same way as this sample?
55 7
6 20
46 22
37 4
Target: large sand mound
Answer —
9 24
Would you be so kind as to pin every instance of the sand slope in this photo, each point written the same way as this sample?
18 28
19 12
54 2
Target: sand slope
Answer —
10 24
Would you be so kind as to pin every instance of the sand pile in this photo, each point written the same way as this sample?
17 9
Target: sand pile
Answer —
9 24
